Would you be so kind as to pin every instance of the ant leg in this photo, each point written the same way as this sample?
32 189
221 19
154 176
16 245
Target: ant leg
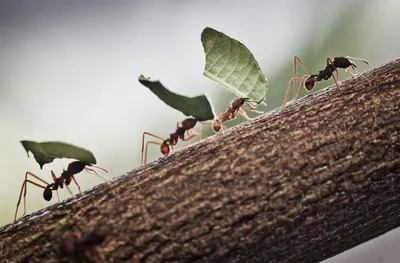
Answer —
202 127
90 170
79 187
53 175
301 86
145 152
291 86
244 114
190 137
292 81
191 134
24 190
349 71
70 192
252 109
358 74
26 179
98 167
330 62
287 91
296 60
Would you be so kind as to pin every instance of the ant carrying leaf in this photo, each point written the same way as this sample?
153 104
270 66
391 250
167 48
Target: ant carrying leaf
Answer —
232 65
199 108
46 152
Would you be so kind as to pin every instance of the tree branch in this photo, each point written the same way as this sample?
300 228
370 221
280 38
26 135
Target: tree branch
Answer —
297 185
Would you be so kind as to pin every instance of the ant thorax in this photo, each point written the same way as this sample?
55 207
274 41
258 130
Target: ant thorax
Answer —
59 182
174 137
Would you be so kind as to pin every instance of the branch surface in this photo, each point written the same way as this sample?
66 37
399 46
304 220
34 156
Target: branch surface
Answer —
298 185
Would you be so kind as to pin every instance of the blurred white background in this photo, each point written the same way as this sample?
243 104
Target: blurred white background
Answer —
68 72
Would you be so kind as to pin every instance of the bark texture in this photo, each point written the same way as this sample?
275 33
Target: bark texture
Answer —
297 185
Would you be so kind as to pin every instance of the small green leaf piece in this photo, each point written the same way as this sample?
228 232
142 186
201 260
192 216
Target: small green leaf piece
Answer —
46 152
231 64
198 107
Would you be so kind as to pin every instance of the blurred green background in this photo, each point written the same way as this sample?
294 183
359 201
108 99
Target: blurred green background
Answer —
69 69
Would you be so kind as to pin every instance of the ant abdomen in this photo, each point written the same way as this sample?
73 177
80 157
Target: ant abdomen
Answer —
76 167
239 102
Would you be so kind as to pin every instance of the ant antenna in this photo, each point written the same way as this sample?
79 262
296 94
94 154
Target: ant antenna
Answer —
358 59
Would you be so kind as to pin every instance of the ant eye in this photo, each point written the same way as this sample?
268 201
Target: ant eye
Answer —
47 194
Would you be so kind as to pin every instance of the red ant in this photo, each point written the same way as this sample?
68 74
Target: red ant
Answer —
181 127
65 178
187 126
331 67
235 109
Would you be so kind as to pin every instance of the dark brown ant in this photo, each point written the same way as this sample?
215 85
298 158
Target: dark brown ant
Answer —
65 179
186 125
331 67
235 109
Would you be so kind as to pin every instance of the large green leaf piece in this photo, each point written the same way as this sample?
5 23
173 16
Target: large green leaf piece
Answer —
198 107
232 65
46 152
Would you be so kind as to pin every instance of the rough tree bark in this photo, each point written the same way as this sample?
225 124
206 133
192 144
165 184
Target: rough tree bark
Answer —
297 185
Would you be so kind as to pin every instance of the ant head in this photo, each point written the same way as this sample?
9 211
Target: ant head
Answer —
164 149
309 83
240 102
243 100
217 125
47 193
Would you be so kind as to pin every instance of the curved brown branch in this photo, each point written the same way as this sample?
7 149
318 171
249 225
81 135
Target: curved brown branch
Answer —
298 185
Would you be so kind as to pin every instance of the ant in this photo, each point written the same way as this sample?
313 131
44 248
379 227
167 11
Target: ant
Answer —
65 179
235 109
331 67
186 125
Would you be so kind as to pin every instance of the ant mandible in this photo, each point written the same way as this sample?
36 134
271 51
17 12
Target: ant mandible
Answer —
235 109
65 179
331 67
186 125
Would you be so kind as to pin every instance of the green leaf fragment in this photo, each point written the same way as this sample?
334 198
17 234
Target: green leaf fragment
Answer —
231 64
46 152
198 107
